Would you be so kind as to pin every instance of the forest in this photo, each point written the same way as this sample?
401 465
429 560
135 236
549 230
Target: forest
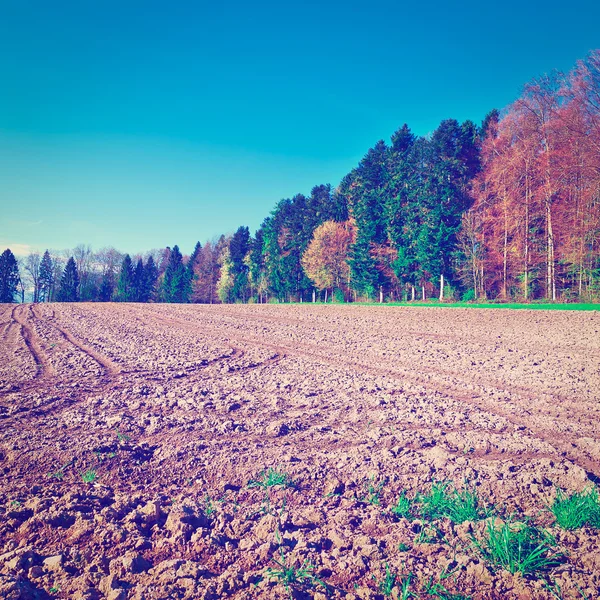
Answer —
505 210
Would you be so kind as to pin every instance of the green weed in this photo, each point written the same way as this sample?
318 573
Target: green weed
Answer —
122 437
553 589
439 590
577 510
404 508
61 472
89 476
271 478
372 489
519 548
209 507
429 534
291 576
445 501
405 592
388 583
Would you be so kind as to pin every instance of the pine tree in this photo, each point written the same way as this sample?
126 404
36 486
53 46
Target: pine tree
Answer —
175 286
190 269
46 277
367 206
9 276
256 267
239 246
69 283
106 290
150 277
138 281
125 285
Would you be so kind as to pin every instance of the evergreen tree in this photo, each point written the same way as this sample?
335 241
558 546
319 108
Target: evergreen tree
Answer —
46 277
106 290
454 161
69 283
399 218
256 267
126 283
138 281
150 277
368 210
239 246
9 276
190 273
175 286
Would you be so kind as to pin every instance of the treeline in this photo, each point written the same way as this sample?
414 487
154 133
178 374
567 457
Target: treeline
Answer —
506 210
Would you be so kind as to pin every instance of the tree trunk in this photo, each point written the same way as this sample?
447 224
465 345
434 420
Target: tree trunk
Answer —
550 272
526 274
423 291
505 255
442 287
380 294
325 295
412 293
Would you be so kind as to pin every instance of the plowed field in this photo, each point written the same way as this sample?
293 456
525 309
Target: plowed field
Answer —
161 451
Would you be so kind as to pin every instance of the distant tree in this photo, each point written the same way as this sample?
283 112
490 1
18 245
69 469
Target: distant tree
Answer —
32 268
9 276
150 277
207 271
193 259
365 188
227 278
175 285
108 261
325 259
83 257
126 291
239 246
139 283
257 279
69 283
46 277
106 290
58 267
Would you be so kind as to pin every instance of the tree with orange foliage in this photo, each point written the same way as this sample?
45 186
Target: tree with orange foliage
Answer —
325 259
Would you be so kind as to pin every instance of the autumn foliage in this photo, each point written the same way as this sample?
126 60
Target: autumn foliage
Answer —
325 259
534 228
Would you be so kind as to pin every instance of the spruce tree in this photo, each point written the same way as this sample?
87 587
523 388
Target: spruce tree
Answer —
175 282
69 283
46 277
190 275
150 277
9 276
239 246
125 285
138 282
106 288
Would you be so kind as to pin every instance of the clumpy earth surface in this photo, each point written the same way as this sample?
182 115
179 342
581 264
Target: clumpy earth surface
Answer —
161 451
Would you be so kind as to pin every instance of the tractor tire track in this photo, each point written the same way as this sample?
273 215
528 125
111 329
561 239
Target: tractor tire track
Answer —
22 314
107 364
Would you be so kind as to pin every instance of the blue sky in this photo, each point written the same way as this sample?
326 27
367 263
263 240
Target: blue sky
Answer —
145 124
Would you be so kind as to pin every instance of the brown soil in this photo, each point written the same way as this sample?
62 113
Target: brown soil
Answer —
175 409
